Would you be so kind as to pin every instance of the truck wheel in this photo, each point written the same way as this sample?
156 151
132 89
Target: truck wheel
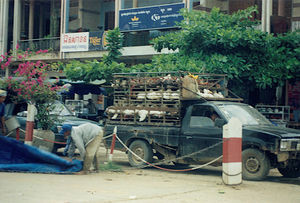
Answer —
143 150
255 165
290 171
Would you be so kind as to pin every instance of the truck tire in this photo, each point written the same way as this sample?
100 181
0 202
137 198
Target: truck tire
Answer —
143 150
290 171
255 164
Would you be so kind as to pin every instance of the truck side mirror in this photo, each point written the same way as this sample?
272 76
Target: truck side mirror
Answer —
219 122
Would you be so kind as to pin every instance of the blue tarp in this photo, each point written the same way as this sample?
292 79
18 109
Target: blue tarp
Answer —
18 157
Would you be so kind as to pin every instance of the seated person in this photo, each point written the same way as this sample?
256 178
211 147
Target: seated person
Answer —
91 107
213 116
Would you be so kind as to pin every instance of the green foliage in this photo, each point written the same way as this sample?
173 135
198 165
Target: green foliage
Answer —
92 70
114 40
31 85
45 120
229 44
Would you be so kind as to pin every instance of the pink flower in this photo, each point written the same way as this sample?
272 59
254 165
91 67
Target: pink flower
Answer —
9 59
17 47
20 56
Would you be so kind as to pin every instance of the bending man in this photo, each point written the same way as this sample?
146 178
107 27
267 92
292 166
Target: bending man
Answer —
87 138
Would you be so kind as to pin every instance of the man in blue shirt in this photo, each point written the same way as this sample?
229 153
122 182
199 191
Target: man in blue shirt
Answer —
2 110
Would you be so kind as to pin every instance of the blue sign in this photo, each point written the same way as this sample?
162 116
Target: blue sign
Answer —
146 18
97 41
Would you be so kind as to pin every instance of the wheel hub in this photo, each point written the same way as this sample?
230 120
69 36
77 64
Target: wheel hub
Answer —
140 153
252 165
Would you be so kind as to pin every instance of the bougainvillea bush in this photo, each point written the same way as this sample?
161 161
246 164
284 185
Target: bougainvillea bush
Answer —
28 83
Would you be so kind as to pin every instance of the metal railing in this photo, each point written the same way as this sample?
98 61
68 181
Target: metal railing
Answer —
51 44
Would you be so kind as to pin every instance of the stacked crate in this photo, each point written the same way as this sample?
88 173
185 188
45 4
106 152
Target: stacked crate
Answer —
154 98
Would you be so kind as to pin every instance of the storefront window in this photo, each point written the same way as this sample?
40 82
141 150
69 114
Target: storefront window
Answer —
91 15
144 3
228 6
207 5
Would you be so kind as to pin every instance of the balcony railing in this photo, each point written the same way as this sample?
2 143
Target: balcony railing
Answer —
51 44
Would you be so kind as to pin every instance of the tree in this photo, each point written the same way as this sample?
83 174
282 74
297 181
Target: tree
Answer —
29 84
230 44
91 70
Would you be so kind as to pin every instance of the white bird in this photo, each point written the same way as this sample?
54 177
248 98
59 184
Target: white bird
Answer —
168 77
114 117
142 115
218 95
141 95
174 96
128 112
157 113
153 95
111 111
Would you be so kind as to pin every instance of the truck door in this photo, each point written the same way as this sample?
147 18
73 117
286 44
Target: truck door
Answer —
199 132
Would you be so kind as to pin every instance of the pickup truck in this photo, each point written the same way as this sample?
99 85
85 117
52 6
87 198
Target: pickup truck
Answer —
264 146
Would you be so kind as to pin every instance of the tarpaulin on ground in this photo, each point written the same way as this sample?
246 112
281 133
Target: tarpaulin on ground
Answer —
18 157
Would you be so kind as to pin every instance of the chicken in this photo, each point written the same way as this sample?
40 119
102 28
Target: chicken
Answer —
114 117
111 111
167 94
218 95
128 112
174 96
207 94
157 113
142 114
153 95
141 95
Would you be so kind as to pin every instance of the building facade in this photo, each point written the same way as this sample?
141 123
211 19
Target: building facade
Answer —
56 24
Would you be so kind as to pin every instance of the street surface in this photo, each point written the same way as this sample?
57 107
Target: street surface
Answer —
144 185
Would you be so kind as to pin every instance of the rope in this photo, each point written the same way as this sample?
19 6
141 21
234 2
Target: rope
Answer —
56 142
166 169
232 174
188 155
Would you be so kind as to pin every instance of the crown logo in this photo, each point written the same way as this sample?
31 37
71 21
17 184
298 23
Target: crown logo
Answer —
134 19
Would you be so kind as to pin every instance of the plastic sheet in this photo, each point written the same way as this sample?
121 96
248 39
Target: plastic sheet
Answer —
18 157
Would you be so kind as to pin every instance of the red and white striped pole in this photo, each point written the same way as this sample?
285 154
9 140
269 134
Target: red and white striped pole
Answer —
112 146
18 134
232 152
29 124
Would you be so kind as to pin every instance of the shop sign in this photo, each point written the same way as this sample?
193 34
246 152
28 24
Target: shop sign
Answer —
97 41
73 42
147 18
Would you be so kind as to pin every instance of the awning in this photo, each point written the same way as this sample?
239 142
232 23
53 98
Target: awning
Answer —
82 88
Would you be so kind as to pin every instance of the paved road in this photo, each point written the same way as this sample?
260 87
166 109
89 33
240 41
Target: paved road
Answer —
146 185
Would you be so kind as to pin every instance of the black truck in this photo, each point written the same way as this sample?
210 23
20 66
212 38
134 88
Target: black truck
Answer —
194 136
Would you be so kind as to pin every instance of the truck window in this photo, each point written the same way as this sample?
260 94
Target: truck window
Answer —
203 116
200 121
